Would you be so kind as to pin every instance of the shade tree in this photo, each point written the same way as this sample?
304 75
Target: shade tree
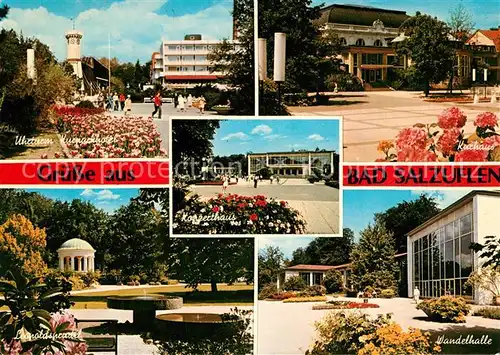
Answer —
271 261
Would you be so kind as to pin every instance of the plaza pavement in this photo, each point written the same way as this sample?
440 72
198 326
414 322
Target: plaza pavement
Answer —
317 203
288 328
133 344
369 117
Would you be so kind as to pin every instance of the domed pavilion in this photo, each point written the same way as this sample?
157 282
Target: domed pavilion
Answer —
76 255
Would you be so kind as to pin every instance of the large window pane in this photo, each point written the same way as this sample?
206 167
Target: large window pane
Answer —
466 224
448 257
448 232
457 257
465 255
425 265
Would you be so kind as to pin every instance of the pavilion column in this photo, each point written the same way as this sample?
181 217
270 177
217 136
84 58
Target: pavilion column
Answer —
360 75
85 264
92 263
61 263
351 63
384 70
80 263
311 281
71 268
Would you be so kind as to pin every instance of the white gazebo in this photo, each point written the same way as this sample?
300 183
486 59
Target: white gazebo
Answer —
76 255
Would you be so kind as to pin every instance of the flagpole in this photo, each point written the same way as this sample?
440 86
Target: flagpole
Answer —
109 63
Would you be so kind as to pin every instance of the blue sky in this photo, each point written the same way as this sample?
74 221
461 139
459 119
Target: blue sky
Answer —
286 244
136 27
107 199
261 136
360 206
485 13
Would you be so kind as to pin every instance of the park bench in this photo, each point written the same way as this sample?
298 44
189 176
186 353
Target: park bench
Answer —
98 343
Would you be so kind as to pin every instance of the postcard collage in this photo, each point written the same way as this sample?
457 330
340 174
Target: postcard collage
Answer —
230 177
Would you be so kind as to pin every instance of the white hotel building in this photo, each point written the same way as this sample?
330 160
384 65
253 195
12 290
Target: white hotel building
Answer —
184 63
439 258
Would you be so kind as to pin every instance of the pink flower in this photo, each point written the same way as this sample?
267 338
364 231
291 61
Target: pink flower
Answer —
448 140
493 141
14 347
215 209
471 155
486 120
62 317
411 137
452 118
410 154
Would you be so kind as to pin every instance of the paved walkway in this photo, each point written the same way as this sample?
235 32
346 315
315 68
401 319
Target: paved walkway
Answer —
106 288
133 344
288 328
380 115
317 203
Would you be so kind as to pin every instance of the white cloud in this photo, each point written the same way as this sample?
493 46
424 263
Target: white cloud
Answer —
273 137
237 135
101 195
295 145
443 198
315 137
136 29
262 129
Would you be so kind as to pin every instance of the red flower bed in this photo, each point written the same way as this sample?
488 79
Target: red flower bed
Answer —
460 99
362 305
235 214
283 296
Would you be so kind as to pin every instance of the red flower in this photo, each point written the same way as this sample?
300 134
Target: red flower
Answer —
471 155
215 209
254 217
283 203
261 203
242 205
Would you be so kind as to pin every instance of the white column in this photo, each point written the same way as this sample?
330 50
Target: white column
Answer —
248 165
61 263
332 168
92 263
71 267
351 64
85 264
311 279
80 263
278 283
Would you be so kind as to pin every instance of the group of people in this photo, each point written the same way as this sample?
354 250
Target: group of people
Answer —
115 102
180 103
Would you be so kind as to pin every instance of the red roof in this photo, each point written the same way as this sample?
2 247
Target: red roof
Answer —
494 35
191 77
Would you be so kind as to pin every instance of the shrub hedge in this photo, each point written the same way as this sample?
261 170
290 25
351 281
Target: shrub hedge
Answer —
446 309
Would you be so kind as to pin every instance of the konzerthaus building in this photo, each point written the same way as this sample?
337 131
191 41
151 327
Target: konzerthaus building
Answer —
439 258
298 164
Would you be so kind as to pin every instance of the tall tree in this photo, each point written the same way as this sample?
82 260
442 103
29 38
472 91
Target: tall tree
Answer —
373 263
428 45
407 215
271 261
236 61
461 27
212 260
22 246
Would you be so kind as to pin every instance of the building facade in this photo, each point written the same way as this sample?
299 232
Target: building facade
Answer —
366 34
184 63
294 164
484 52
439 258
313 274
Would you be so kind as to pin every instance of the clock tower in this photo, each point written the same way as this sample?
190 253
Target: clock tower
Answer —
73 41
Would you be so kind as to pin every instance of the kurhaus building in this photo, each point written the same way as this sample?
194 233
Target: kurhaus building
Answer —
294 164
439 258
368 35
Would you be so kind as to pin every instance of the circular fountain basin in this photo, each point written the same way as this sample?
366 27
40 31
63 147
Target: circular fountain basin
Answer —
145 307
192 325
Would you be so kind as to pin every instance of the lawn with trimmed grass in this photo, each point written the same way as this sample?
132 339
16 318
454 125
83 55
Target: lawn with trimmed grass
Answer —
227 295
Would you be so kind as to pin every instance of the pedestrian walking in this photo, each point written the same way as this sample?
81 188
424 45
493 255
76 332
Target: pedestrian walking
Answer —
176 100
225 183
255 181
416 294
157 103
201 104
278 179
189 100
271 179
182 102
110 102
128 106
116 101
122 101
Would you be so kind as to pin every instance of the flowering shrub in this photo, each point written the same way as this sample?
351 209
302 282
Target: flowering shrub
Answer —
283 295
235 214
294 283
356 333
305 299
314 290
90 133
445 309
392 340
267 291
445 140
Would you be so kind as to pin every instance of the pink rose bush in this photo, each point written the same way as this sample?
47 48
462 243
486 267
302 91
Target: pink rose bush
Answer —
236 214
90 133
61 338
445 140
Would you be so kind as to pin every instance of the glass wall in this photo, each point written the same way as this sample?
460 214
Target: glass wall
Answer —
442 260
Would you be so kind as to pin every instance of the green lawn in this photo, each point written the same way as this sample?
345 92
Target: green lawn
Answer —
235 295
